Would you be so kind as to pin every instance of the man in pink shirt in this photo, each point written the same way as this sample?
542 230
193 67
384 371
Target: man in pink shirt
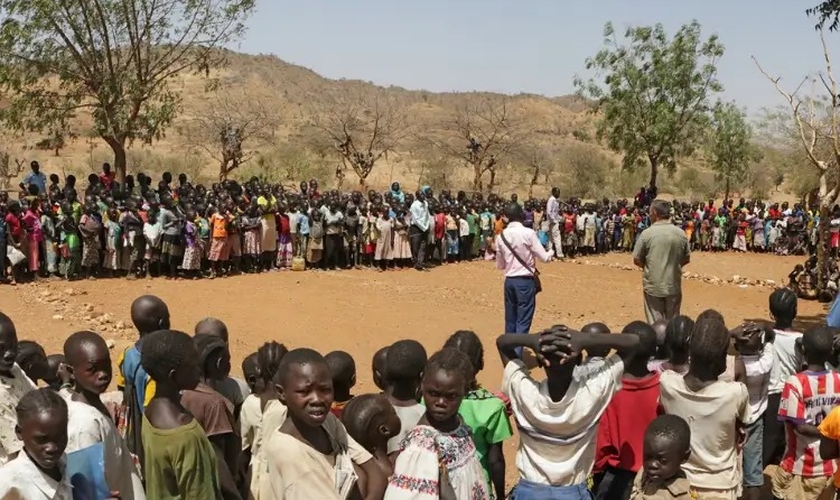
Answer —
517 247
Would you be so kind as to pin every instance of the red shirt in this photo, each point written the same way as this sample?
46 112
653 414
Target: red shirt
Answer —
106 179
15 228
284 225
622 429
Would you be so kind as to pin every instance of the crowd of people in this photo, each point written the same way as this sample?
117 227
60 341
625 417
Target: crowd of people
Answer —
660 411
180 230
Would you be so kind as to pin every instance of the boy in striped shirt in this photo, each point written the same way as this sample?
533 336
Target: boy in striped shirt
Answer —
807 399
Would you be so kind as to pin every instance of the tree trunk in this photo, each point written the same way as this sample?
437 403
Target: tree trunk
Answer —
477 177
118 147
726 194
654 171
823 247
492 182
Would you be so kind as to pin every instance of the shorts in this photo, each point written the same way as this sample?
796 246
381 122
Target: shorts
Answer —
752 458
787 485
234 244
709 494
218 250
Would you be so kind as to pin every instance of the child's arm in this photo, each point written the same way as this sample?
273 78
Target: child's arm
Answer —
508 343
376 480
570 345
496 464
830 432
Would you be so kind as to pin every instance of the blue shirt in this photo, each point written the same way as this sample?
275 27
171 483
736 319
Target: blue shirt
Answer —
38 179
303 225
129 367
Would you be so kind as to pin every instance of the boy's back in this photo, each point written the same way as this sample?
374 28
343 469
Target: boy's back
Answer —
180 463
711 414
808 397
622 428
409 413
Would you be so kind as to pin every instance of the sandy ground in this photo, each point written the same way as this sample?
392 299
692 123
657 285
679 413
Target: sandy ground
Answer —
360 311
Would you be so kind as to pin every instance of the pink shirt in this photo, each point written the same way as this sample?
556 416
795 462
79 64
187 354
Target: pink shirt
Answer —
526 244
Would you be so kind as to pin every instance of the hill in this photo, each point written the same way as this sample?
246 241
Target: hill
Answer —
552 138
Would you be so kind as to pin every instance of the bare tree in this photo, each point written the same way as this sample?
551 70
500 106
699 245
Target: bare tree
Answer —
232 127
539 163
363 124
817 124
481 133
7 171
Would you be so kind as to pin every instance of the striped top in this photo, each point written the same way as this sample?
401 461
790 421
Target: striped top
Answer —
807 398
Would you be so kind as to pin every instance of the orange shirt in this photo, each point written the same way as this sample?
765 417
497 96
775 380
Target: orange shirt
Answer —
498 226
219 224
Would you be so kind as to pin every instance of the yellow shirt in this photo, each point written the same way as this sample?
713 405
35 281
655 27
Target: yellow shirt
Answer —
150 384
830 428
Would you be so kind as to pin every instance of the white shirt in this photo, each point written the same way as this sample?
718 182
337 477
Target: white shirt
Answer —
21 479
758 369
409 416
557 439
464 227
86 427
11 391
786 360
552 209
711 414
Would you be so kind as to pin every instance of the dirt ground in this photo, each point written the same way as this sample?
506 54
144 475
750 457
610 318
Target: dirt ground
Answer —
360 311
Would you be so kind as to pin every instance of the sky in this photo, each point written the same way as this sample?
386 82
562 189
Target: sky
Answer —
532 46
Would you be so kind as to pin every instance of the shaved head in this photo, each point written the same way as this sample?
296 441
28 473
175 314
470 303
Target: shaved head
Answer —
149 314
80 345
212 326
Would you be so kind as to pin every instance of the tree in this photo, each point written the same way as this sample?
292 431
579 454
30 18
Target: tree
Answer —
7 171
730 148
816 121
231 127
363 125
655 97
113 58
827 12
482 134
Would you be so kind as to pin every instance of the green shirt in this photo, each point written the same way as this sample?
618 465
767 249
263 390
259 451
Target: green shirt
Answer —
662 249
180 463
471 222
486 416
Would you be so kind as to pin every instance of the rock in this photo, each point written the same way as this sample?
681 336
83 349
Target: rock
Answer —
105 318
46 293
89 308
120 325
686 274
743 286
770 282
110 343
58 317
736 278
68 291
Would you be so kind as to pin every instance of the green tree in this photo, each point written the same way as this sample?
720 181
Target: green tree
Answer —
654 97
827 12
730 148
114 58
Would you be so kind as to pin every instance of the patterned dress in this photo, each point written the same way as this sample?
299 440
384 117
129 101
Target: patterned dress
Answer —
426 455
193 250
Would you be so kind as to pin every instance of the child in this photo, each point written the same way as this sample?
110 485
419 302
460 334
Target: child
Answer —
806 398
31 221
152 232
251 226
384 255
32 359
38 473
556 416
251 372
343 370
234 389
52 378
71 243
787 361
438 458
285 250
403 371
213 412
219 249
667 445
371 420
677 336
315 247
484 413
378 367
50 238
620 433
89 229
14 384
89 362
113 240
179 459
268 416
311 456
193 247
715 410
595 355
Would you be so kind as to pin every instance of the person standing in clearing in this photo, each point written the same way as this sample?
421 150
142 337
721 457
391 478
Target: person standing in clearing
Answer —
519 243
662 251
552 210
418 232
